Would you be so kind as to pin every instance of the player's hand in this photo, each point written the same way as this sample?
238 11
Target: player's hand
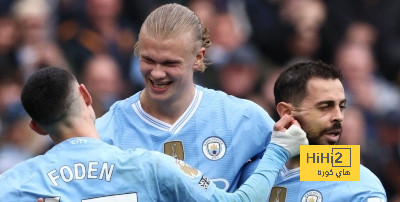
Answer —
285 122
40 200
289 135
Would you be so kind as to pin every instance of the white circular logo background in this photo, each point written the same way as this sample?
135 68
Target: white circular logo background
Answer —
312 196
214 148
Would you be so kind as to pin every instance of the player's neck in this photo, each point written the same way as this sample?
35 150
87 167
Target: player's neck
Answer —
293 162
170 110
76 128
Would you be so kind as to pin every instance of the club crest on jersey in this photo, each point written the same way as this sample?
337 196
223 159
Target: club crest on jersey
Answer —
188 170
312 196
174 149
214 148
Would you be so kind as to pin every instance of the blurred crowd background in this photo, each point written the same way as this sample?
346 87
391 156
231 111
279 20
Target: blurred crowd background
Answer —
252 41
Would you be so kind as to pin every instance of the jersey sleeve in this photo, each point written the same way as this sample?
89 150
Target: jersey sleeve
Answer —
249 168
8 192
180 182
261 127
370 188
251 121
13 181
260 183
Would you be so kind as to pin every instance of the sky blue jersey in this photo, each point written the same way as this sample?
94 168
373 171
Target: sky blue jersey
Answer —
288 187
217 134
89 170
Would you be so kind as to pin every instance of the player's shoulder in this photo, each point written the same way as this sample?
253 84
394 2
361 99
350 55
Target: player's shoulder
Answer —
145 156
164 165
21 172
230 101
370 184
368 177
150 162
367 174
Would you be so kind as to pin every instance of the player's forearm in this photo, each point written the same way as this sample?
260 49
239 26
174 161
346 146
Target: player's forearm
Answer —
260 183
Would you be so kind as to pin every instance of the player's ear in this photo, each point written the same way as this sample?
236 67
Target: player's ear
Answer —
86 95
35 127
199 57
284 108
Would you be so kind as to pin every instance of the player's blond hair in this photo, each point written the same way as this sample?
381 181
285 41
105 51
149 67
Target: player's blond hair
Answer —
173 19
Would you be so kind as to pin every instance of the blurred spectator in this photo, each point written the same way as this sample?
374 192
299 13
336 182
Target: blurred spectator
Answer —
354 130
70 10
267 92
270 32
226 36
230 55
137 11
9 38
306 17
366 87
205 10
240 74
361 33
287 30
35 48
383 15
17 141
104 31
379 102
252 41
10 91
103 78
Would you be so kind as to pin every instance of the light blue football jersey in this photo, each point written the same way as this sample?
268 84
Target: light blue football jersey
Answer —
217 134
289 188
89 170
86 169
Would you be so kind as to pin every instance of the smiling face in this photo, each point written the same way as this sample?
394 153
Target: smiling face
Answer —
167 66
320 113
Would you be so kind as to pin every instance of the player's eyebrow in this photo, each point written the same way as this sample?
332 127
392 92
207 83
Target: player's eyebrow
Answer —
330 102
167 61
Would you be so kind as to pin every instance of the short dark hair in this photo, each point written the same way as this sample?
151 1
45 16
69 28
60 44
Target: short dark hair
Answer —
292 82
46 95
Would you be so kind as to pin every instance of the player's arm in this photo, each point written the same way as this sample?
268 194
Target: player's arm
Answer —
188 184
284 144
8 192
174 180
250 167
